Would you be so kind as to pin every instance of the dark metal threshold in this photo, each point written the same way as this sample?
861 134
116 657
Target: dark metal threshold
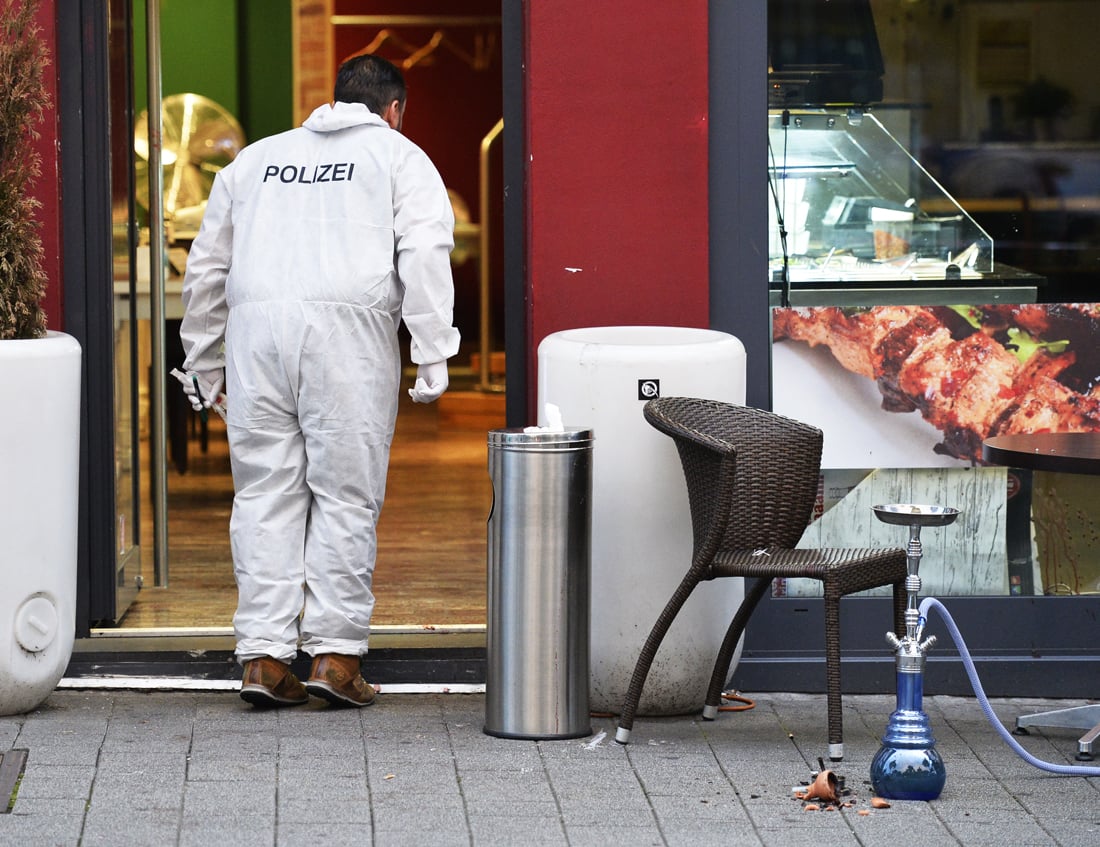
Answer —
412 654
383 666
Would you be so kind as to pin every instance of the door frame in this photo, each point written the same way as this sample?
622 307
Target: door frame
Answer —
86 259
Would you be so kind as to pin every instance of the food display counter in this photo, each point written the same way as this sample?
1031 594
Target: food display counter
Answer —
850 223
881 308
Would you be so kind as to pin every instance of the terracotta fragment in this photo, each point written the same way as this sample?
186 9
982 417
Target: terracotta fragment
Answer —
823 788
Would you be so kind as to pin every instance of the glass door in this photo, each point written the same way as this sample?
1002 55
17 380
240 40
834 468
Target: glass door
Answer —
125 305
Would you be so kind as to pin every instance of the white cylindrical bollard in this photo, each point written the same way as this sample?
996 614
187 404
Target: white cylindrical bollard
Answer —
40 469
600 378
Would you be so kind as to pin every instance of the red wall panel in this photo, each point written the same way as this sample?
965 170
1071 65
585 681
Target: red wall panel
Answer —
616 106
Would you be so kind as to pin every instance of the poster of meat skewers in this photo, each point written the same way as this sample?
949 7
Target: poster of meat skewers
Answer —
924 386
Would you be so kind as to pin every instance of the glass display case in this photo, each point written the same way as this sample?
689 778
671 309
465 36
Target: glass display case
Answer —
848 203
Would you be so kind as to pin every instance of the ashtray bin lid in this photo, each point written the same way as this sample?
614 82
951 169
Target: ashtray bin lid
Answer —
519 438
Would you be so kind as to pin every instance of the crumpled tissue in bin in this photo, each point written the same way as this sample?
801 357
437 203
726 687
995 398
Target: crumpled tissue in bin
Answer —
553 421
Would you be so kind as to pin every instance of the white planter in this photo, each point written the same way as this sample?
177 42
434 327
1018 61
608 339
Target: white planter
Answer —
39 495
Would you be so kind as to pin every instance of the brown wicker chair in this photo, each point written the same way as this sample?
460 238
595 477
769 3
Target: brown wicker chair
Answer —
752 478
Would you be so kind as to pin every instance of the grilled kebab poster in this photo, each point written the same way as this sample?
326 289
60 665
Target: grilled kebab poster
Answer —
923 386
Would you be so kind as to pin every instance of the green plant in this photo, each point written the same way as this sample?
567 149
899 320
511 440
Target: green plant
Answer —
23 98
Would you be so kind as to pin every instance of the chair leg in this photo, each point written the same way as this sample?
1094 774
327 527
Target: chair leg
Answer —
737 626
832 675
649 652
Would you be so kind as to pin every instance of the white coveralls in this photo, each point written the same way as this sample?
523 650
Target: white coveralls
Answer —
315 244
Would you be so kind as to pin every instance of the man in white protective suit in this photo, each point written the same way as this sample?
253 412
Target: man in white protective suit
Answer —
316 243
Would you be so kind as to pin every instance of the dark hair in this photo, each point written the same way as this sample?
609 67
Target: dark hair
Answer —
370 80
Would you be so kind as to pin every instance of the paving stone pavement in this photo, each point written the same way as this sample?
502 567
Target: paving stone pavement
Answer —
124 767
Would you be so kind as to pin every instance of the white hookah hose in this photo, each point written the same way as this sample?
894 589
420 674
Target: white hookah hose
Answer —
1068 770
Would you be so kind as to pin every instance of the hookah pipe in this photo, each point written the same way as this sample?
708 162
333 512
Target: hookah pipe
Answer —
908 766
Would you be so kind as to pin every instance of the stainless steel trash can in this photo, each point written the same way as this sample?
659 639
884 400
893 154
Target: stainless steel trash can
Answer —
539 552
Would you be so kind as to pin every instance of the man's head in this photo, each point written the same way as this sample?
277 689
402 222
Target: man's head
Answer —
375 83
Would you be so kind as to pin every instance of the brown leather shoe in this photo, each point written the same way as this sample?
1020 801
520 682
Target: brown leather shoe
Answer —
267 682
337 679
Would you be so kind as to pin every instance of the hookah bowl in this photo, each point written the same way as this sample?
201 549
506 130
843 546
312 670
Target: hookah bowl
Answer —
908 766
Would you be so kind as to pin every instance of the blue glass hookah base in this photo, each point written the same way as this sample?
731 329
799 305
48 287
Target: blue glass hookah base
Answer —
907 766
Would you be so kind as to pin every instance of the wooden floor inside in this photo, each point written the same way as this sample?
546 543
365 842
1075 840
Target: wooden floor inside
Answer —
431 535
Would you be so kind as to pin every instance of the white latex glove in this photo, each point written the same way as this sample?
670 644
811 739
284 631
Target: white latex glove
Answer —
431 382
210 384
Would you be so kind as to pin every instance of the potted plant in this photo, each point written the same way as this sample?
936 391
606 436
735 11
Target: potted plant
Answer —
40 386
1041 104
